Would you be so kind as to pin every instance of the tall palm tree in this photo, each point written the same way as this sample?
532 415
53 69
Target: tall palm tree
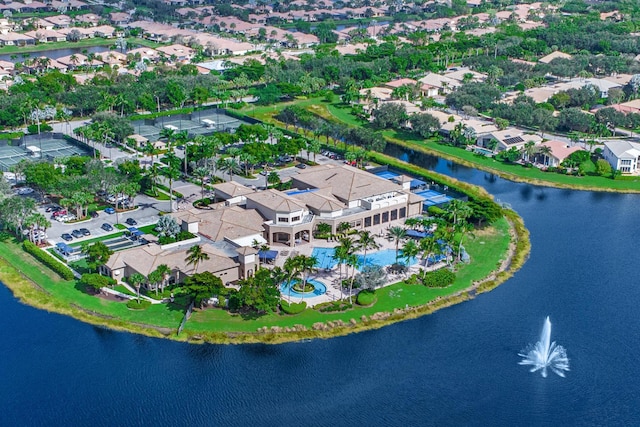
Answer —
165 272
155 277
201 173
366 241
136 280
429 247
195 255
410 250
545 151
230 166
352 261
398 235
171 173
292 270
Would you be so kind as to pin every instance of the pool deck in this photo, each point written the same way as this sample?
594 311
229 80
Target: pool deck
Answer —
331 277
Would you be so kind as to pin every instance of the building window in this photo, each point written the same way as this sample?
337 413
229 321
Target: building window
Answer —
385 217
403 212
283 219
295 218
394 215
376 219
626 162
367 221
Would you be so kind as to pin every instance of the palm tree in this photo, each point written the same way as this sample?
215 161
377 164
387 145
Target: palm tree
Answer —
307 265
165 272
429 247
410 250
136 280
352 261
366 241
195 255
545 151
201 173
230 166
397 234
292 270
155 277
172 173
529 150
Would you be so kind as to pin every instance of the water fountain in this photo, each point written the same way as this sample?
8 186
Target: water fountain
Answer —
545 354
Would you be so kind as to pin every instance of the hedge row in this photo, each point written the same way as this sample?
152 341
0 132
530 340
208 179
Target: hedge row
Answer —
293 308
47 260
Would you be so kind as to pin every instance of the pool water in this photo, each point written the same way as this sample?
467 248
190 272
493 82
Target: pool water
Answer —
319 289
382 258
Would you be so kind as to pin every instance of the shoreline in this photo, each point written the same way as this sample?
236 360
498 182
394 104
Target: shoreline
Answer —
30 293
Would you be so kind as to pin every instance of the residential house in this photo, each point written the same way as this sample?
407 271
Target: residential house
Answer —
16 39
179 52
119 18
508 139
623 156
559 151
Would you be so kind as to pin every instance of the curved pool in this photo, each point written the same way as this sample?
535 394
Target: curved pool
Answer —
319 288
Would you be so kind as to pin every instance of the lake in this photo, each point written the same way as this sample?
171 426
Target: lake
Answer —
456 367
54 53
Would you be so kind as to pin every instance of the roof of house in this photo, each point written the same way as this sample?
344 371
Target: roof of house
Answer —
276 201
554 55
231 222
347 183
147 258
560 150
232 189
623 149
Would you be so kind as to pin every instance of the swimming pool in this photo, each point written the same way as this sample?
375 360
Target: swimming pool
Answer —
319 288
385 257
382 258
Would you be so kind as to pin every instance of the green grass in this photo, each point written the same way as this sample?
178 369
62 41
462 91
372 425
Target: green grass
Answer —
337 112
486 252
43 47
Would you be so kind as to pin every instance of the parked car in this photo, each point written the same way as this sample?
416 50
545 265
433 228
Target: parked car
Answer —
58 213
67 237
94 214
52 208
110 211
77 234
301 166
85 232
131 221
107 227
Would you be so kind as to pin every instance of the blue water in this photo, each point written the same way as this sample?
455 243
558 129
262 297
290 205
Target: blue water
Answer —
382 258
457 367
320 289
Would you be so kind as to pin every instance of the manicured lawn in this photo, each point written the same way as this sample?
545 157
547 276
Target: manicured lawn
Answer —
65 293
486 250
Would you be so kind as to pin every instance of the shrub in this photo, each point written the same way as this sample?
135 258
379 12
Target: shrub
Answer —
329 307
439 278
293 308
33 129
366 297
47 260
133 304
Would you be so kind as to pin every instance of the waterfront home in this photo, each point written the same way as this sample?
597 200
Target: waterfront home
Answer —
623 156
559 151
509 138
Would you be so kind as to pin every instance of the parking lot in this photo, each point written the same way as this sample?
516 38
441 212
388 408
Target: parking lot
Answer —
147 213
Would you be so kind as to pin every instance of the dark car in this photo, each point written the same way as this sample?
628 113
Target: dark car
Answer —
301 166
67 237
94 214
110 210
53 208
107 227
131 221
85 232
77 234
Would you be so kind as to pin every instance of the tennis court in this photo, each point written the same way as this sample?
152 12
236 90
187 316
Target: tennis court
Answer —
48 146
433 197
387 174
198 123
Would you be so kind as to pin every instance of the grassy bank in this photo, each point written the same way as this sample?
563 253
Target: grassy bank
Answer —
36 286
337 112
